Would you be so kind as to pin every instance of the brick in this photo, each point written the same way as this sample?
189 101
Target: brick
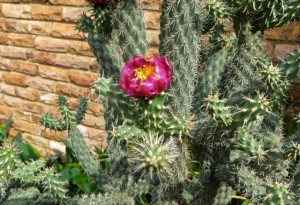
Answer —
25 40
48 98
290 32
54 73
12 101
36 139
5 110
64 30
27 93
13 52
82 77
53 135
13 132
26 26
57 147
50 44
15 79
25 126
16 10
41 57
92 121
47 12
38 27
73 61
41 84
34 107
71 90
151 4
79 48
283 50
95 108
268 47
152 37
70 2
72 14
5 64
25 67
3 38
8 89
21 114
94 65
14 25
152 19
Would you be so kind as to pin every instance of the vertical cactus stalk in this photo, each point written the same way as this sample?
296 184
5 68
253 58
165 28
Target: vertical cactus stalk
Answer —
180 40
126 21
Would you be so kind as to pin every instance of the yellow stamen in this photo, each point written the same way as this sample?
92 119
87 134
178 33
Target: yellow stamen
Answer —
143 72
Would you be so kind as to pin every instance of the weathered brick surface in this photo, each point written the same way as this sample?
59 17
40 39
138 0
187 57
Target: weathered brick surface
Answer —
42 55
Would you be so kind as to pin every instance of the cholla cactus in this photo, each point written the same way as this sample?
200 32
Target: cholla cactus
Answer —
223 107
28 183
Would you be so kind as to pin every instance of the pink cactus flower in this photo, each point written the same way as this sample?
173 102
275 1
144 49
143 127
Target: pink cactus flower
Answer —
146 77
99 1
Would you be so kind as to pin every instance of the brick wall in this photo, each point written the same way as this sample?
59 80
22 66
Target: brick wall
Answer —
42 56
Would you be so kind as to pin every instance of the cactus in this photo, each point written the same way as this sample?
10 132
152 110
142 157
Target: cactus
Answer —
68 119
217 130
41 185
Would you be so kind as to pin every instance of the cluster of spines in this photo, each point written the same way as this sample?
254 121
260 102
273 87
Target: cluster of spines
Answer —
217 109
277 194
253 108
152 155
67 118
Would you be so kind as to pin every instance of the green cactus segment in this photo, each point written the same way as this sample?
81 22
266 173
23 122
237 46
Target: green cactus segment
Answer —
108 198
130 29
25 172
22 197
106 50
218 9
85 24
252 109
151 155
271 75
120 105
85 157
267 14
48 121
217 109
53 185
65 111
127 132
224 195
158 118
8 160
180 44
81 110
277 194
100 15
249 144
291 66
211 76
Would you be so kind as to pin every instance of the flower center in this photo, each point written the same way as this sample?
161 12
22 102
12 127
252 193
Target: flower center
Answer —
143 72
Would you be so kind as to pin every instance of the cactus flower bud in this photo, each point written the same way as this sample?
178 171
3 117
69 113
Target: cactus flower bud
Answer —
146 77
99 1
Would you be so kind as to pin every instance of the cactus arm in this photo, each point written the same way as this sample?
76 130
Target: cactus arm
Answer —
130 29
180 44
85 157
81 110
